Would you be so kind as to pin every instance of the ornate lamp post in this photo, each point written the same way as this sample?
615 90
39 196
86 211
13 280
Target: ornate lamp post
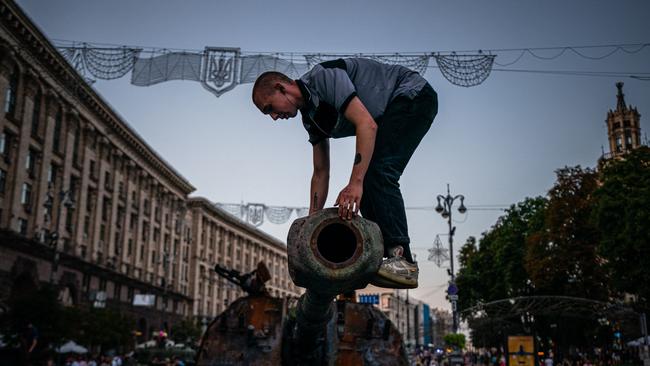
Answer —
444 206
65 200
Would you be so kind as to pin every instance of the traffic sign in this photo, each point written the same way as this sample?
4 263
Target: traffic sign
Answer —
452 289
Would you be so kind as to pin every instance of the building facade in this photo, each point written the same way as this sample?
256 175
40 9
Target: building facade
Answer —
87 205
419 324
221 238
623 126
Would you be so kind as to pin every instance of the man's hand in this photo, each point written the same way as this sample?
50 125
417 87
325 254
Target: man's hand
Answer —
349 200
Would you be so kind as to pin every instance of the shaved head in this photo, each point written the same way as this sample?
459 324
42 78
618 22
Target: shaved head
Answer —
266 82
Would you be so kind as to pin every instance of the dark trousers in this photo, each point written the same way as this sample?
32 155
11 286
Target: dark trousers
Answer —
399 132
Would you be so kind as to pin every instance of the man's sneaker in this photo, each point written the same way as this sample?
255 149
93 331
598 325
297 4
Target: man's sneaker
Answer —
397 272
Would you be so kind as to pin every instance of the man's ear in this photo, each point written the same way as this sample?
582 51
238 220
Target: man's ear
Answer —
280 87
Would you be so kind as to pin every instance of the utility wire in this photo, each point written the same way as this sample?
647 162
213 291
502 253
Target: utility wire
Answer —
623 47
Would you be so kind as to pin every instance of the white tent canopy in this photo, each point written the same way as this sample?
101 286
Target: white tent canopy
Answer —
72 347
636 342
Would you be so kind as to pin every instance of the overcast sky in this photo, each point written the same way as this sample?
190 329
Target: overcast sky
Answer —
495 143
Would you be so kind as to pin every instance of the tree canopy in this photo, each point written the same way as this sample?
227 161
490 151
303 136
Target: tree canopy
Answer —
588 238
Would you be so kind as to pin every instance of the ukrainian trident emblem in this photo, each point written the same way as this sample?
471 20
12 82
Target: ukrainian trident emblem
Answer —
255 213
220 69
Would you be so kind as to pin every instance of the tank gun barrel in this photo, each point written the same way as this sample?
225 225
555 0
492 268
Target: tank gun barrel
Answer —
329 256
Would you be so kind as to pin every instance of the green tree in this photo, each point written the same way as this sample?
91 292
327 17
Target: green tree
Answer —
622 214
455 340
106 328
187 331
561 257
494 269
40 307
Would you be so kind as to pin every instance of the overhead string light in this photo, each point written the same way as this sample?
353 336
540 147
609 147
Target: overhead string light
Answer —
221 69
257 213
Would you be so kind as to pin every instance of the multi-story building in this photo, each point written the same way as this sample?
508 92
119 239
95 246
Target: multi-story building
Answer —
88 205
442 324
224 239
414 319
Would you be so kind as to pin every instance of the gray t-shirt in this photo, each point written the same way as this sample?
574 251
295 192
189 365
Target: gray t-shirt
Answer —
329 87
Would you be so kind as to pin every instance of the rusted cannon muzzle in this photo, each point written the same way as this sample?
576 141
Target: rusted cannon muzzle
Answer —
330 256
327 256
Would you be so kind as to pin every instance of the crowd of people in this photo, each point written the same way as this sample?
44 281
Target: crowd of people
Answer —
117 360
630 356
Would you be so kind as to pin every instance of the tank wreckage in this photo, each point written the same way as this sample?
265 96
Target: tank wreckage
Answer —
330 258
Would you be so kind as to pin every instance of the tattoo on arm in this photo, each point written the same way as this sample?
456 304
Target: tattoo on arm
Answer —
357 159
314 203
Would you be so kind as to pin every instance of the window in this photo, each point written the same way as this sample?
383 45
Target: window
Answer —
26 194
58 121
75 146
117 248
51 174
30 163
145 231
129 248
3 181
36 115
4 143
22 226
69 216
93 170
87 226
10 94
134 222
106 208
628 140
74 186
89 200
107 181
120 216
619 143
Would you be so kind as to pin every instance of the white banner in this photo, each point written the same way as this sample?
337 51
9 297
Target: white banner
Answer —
144 300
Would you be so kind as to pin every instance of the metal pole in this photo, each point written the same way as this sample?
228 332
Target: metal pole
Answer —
408 317
54 237
453 276
444 207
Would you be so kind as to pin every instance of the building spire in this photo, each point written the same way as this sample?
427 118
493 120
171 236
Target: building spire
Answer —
620 105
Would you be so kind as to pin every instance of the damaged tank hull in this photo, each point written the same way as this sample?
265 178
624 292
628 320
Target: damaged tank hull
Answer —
248 332
257 330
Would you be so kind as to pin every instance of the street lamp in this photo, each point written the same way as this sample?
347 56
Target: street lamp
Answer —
166 259
65 200
444 206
